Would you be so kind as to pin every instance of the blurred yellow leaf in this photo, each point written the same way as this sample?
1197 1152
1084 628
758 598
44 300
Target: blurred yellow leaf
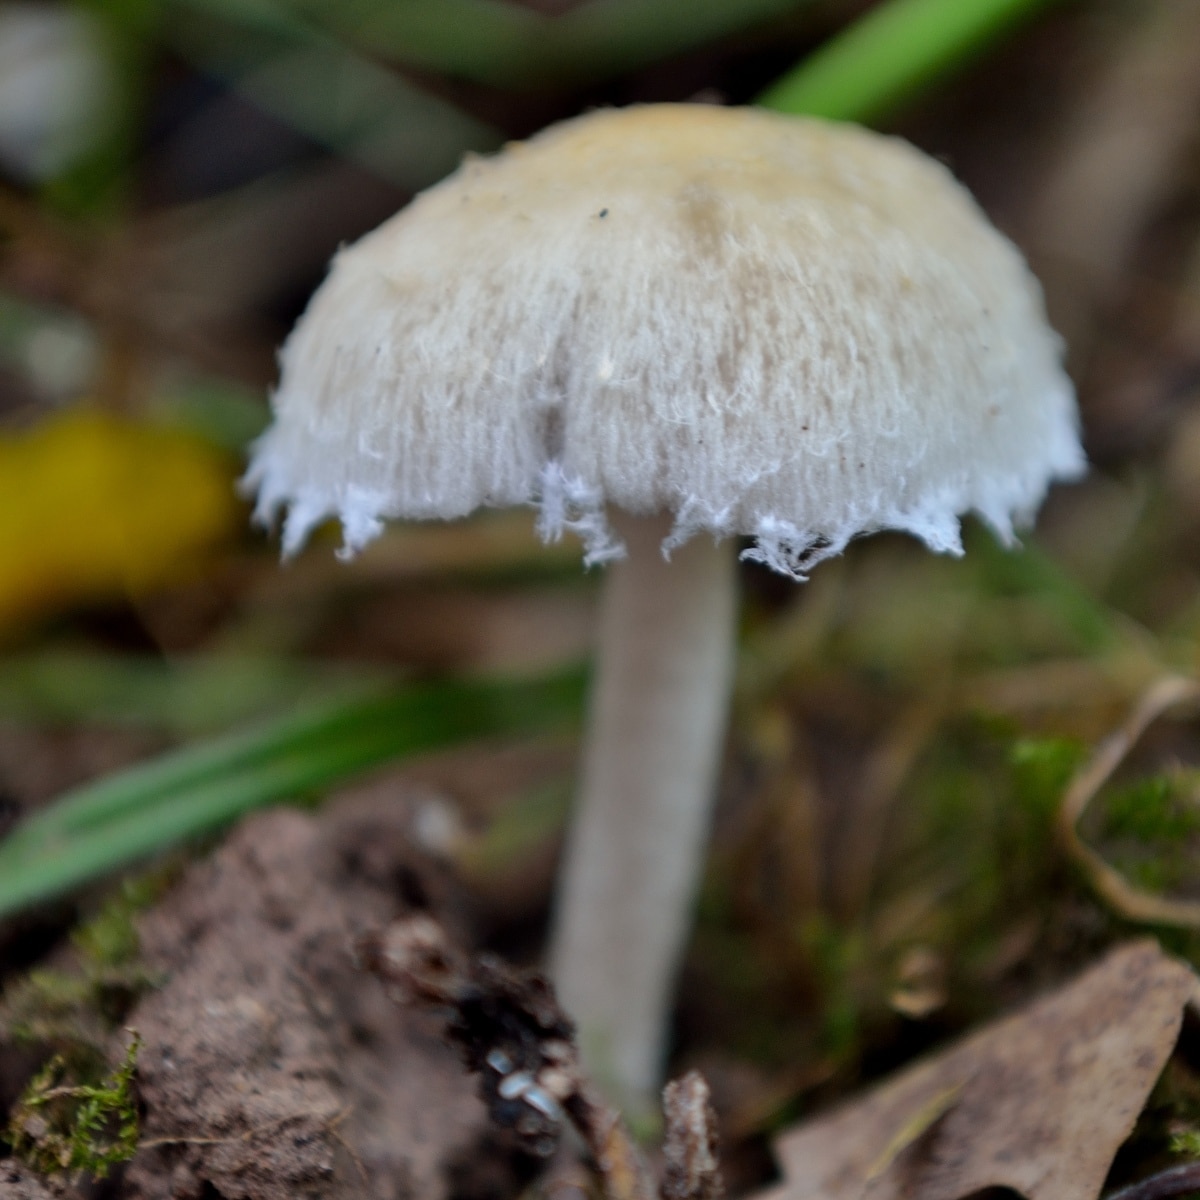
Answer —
94 506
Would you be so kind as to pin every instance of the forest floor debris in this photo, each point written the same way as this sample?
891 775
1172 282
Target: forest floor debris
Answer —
271 1067
1038 1102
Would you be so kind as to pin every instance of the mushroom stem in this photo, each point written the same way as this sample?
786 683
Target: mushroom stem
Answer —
636 845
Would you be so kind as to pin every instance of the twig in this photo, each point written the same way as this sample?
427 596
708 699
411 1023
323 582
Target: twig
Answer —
1175 1181
1128 901
888 766
691 1169
336 1133
247 1135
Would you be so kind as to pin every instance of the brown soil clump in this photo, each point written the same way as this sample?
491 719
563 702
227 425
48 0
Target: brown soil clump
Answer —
271 1067
18 1182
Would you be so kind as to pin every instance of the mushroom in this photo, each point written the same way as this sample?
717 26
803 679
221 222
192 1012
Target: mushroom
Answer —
666 328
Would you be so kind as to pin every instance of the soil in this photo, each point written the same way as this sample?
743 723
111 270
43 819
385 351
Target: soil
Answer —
18 1182
271 1066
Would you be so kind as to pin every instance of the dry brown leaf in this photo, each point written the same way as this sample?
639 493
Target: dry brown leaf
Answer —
1038 1102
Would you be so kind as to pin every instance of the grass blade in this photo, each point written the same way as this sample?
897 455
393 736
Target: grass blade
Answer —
889 53
367 113
488 41
110 823
187 697
500 44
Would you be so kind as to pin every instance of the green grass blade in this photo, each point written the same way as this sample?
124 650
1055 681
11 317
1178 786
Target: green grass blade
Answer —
141 786
344 100
889 53
500 44
188 697
52 864
608 37
487 41
112 822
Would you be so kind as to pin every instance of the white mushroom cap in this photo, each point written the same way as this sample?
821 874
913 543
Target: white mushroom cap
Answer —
763 325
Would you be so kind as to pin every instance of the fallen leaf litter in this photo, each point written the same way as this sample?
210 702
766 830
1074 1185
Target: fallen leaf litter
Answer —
1038 1102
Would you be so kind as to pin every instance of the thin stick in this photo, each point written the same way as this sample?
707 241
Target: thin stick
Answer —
1128 901
1175 1181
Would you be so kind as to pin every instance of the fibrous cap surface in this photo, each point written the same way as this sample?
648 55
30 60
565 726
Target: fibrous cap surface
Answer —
764 325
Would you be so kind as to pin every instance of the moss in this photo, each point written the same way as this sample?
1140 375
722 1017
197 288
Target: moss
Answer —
77 1115
64 1124
1149 830
1186 1144
75 1012
1042 767
1158 808
110 938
